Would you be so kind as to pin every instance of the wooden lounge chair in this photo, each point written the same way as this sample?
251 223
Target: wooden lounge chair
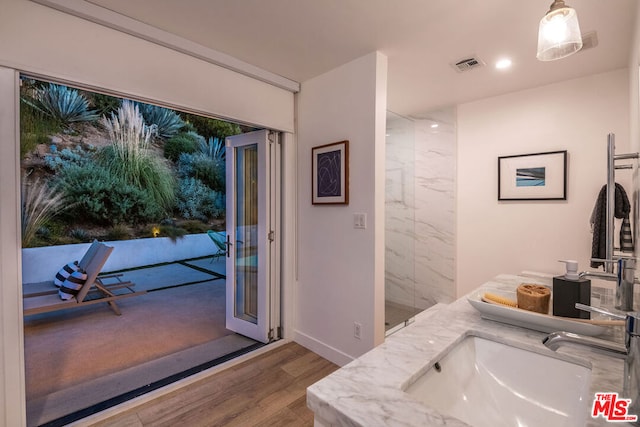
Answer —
89 254
106 288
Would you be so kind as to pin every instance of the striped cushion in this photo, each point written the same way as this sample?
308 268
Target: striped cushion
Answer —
72 285
65 272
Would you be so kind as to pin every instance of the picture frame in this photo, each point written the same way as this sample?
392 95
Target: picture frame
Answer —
330 174
538 176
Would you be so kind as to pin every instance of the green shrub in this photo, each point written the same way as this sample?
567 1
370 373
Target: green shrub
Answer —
103 198
80 235
181 143
64 105
211 128
104 104
130 158
202 167
168 123
197 201
211 172
196 136
53 232
59 160
172 232
195 226
188 127
44 232
119 232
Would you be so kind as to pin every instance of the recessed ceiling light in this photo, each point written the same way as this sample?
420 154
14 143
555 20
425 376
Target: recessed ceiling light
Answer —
503 64
434 125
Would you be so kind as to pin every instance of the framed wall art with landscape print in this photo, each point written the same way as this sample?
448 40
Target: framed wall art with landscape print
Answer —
539 176
330 173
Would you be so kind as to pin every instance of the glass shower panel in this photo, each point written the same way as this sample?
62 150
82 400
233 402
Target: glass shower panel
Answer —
400 283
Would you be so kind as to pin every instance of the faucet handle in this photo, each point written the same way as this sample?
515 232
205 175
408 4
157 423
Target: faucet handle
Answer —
585 307
633 324
632 321
613 260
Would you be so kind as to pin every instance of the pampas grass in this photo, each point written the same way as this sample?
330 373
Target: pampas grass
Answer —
40 203
130 155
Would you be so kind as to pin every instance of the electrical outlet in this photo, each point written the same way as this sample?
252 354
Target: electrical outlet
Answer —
357 329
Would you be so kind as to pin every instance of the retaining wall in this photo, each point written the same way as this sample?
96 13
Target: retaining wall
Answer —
42 264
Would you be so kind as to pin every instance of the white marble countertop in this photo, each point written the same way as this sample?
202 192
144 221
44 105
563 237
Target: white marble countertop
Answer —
369 392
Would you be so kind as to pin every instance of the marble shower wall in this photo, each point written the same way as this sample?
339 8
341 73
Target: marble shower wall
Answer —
435 167
420 209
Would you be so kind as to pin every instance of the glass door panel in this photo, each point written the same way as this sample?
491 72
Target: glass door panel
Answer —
246 253
248 256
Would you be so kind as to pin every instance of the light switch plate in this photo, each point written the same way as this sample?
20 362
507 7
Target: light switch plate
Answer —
360 220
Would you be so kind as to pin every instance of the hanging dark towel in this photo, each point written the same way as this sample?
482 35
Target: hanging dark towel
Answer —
622 207
626 239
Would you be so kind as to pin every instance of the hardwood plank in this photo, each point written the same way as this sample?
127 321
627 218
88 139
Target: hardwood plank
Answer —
310 377
282 418
299 407
128 419
302 364
268 390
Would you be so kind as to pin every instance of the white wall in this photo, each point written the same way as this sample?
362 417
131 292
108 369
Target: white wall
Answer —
341 269
44 41
508 237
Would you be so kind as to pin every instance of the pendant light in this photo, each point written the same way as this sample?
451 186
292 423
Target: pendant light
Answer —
559 33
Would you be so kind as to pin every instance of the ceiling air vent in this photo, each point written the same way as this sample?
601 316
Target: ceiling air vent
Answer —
467 64
589 40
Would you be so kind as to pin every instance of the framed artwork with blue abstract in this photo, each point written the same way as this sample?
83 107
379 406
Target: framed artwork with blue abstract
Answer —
539 176
330 173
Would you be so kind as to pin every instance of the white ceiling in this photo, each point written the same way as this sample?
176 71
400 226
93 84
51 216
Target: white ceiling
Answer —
300 39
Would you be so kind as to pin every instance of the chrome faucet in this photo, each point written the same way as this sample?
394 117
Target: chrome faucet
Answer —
624 278
556 339
630 352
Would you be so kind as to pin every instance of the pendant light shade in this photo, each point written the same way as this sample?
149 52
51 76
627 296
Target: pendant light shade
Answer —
559 33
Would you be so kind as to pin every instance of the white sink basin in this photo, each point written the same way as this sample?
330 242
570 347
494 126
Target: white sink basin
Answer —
487 383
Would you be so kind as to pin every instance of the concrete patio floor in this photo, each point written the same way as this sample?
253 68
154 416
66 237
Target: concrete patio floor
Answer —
80 357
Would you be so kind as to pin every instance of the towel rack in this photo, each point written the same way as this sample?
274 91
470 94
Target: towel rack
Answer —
612 157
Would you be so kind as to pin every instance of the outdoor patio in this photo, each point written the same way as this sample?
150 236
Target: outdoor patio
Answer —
80 357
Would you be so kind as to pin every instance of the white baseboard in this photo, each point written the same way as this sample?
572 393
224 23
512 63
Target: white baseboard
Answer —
331 354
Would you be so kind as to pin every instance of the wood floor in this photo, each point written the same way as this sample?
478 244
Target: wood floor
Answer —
268 390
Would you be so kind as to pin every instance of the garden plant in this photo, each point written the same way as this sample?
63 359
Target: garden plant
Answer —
97 166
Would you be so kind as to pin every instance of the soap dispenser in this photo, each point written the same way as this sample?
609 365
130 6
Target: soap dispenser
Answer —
570 289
